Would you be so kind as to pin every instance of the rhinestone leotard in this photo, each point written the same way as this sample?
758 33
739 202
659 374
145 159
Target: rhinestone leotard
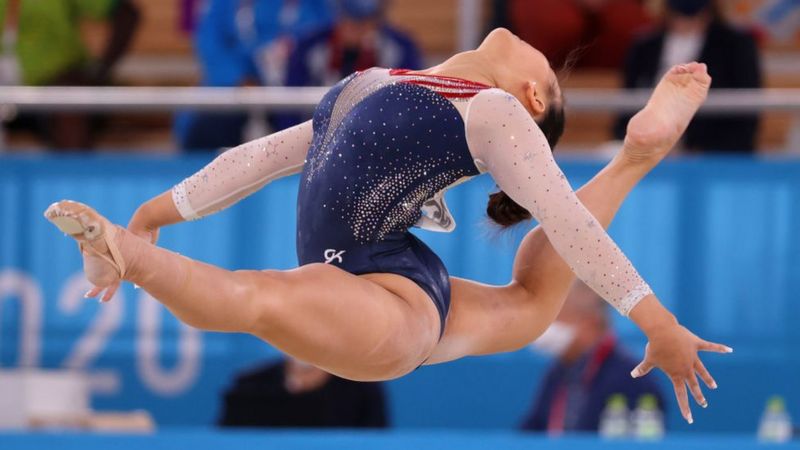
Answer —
382 148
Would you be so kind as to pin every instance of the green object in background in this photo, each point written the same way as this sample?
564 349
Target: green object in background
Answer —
776 404
614 418
775 425
48 40
617 402
647 422
648 402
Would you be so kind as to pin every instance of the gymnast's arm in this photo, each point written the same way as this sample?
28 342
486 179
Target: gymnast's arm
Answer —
503 137
229 178
508 143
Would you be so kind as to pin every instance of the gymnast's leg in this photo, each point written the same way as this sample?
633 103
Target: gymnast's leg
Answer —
370 327
488 319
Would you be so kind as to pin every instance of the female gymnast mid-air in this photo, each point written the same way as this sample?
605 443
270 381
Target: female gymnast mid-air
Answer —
370 301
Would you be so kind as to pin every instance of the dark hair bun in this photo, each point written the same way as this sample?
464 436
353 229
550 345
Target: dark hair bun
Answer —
504 211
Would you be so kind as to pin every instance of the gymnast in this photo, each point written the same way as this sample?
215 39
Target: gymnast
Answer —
369 300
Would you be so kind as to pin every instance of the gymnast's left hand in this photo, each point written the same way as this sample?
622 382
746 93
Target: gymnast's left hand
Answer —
674 349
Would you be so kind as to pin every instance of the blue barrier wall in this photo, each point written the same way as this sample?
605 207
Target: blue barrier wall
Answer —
365 440
716 238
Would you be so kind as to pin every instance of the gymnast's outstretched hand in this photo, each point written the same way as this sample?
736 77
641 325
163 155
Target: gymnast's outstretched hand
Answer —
674 349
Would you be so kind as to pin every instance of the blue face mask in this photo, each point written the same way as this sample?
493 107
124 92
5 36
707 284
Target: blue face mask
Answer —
689 8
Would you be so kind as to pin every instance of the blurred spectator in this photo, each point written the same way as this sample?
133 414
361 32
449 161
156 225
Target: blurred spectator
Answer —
695 30
244 43
360 39
591 367
601 29
291 393
42 46
189 14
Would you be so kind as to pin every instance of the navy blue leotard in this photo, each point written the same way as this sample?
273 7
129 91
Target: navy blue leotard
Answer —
380 151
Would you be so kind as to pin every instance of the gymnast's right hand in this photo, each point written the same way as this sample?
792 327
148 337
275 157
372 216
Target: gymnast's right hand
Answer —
674 349
141 226
152 215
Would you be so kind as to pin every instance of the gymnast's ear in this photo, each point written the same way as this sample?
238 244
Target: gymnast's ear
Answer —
534 96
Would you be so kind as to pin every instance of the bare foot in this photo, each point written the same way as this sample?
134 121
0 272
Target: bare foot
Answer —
96 236
654 130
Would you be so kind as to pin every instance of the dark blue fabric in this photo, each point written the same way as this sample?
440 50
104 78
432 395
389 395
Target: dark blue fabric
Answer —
303 71
365 181
614 377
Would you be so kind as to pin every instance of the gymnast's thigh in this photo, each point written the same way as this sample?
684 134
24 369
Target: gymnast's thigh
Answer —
487 319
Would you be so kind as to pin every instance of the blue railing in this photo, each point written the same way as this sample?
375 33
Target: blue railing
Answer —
717 239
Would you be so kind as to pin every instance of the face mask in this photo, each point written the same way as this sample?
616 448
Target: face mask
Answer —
555 340
688 8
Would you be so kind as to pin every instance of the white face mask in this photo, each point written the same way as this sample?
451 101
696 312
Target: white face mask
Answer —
555 340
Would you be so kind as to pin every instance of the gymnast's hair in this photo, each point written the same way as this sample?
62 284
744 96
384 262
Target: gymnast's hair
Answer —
501 208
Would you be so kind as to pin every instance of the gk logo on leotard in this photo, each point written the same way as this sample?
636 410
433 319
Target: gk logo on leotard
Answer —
332 255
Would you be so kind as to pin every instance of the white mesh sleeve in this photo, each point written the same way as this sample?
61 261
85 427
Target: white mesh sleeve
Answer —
241 171
504 139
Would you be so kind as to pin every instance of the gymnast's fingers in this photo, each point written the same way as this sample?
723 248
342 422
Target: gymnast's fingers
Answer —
683 398
642 369
714 347
110 291
704 374
93 292
697 393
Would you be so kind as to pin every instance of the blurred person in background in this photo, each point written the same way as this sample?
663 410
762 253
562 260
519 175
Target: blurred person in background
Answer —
189 14
694 30
291 393
591 366
601 30
42 46
360 39
244 43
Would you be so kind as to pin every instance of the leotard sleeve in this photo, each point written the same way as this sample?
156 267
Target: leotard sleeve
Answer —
504 139
241 171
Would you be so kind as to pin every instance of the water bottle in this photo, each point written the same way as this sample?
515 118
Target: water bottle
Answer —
775 425
647 422
614 418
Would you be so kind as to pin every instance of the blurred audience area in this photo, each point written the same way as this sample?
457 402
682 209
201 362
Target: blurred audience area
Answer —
164 48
